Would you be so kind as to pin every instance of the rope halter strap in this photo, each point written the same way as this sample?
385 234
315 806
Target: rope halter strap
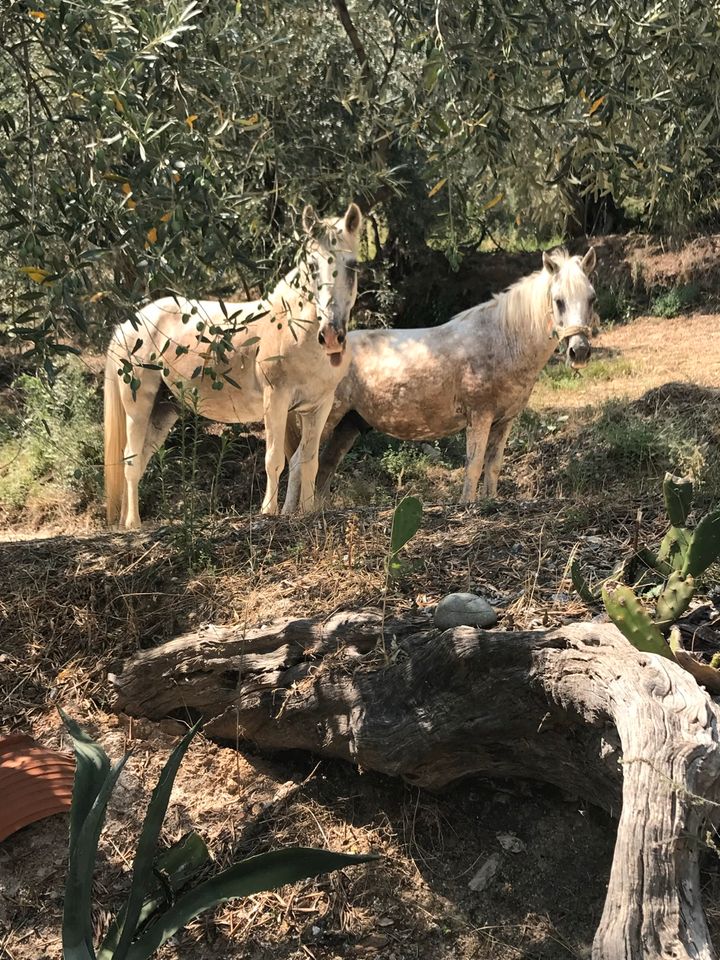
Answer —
576 329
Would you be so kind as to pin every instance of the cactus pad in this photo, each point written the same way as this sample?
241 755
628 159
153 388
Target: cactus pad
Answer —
674 547
704 547
626 612
674 600
678 495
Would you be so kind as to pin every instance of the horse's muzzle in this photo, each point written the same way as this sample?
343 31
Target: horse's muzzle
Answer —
333 340
578 351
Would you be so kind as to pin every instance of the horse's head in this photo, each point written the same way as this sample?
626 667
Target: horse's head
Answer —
572 297
331 261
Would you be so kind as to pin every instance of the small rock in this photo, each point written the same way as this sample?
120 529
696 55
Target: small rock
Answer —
432 452
511 843
463 610
485 874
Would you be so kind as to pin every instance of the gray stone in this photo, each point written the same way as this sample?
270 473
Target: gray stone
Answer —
463 610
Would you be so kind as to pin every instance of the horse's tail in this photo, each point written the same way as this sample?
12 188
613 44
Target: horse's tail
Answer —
115 439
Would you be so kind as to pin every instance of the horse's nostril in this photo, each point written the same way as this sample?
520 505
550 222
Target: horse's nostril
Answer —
321 338
341 338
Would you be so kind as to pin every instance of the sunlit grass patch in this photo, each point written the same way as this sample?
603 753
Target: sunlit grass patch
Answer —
562 377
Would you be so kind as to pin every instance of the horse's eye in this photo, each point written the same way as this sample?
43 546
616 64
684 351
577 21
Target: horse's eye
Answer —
560 304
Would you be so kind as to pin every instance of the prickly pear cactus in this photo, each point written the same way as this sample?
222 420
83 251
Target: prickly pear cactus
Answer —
628 615
674 600
704 546
674 547
678 496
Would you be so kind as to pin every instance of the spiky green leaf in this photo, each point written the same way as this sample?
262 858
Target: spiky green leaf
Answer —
674 600
147 845
77 931
171 871
582 586
268 871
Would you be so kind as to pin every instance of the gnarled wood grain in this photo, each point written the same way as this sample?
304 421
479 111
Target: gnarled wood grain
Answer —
576 706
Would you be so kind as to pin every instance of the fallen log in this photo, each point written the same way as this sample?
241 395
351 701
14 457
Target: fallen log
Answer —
576 706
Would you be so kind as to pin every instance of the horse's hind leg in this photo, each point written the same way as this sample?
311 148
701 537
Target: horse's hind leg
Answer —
499 433
340 443
293 432
138 411
476 439
162 419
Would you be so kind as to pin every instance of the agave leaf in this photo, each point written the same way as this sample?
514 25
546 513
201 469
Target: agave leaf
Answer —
582 586
92 766
407 518
77 934
172 869
147 846
653 562
264 872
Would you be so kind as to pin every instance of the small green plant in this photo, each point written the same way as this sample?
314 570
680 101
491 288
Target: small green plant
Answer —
160 901
674 301
615 303
648 592
407 519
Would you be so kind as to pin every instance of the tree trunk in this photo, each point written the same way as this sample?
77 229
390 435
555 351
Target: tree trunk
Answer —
577 707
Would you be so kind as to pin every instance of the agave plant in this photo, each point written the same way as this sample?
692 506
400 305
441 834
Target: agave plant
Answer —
161 900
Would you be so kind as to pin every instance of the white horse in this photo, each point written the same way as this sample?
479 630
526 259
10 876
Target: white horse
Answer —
236 363
475 372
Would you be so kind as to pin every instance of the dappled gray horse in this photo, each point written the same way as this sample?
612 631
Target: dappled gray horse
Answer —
475 372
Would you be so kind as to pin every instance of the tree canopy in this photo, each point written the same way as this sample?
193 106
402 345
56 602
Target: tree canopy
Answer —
170 145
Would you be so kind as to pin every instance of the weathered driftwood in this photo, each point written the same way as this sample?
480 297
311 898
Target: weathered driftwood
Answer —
576 706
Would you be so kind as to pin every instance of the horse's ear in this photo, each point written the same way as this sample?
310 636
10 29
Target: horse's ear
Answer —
353 218
589 261
309 220
550 265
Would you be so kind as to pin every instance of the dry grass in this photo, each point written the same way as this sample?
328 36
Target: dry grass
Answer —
71 605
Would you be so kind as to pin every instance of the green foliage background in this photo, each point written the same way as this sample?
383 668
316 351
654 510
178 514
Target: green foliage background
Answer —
163 146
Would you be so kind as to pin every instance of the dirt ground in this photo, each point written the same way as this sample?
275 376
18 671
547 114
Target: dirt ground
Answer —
72 604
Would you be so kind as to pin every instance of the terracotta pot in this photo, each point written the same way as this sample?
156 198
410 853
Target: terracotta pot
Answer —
34 782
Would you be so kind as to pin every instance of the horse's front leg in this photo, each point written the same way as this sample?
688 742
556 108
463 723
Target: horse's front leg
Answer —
476 438
275 402
499 434
304 464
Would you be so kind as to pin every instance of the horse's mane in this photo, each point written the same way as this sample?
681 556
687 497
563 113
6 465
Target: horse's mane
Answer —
523 309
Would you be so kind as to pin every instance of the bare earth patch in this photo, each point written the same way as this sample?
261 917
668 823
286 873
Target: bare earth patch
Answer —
658 350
